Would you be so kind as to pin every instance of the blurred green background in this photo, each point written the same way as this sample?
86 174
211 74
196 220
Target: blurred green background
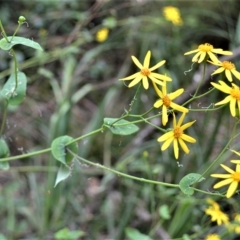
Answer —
73 85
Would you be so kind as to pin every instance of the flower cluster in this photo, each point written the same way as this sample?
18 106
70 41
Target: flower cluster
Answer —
173 15
165 101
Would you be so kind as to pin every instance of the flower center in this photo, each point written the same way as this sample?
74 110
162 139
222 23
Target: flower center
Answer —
235 93
145 72
205 47
228 65
166 101
177 132
236 176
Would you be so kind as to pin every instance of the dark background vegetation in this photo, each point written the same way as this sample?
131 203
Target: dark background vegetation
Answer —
73 85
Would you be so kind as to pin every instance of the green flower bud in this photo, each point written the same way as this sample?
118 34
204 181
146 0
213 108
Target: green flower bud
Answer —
21 20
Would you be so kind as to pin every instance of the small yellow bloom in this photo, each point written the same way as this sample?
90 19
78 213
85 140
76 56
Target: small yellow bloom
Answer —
233 98
229 69
215 212
235 225
146 72
166 102
177 136
207 49
102 34
212 237
232 178
173 14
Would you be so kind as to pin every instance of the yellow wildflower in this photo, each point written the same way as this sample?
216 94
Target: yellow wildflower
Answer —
229 69
102 34
166 102
212 237
215 212
173 14
207 49
233 98
232 178
235 225
177 136
146 73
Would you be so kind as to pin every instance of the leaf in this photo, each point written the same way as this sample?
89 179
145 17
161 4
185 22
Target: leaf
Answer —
4 152
187 181
63 173
12 95
65 233
164 212
118 128
4 45
59 149
134 234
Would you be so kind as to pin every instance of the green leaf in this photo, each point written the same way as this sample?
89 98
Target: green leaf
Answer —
188 180
164 212
4 152
63 173
12 95
59 149
4 45
134 234
65 233
121 127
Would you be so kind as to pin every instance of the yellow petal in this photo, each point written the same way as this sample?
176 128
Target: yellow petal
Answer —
224 101
158 103
221 175
175 94
223 183
147 60
166 136
236 74
158 65
222 87
174 121
190 52
213 57
135 81
228 75
202 57
137 63
183 145
178 107
181 119
227 169
160 76
145 82
195 58
167 143
238 168
187 125
156 80
158 91
232 106
219 70
238 153
188 138
175 148
131 76
232 189
164 115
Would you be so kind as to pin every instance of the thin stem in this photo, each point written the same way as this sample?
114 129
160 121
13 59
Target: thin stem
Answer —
3 31
120 173
4 119
19 25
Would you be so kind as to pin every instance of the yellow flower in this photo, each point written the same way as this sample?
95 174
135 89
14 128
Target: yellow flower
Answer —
166 102
207 49
229 69
102 34
212 237
172 14
235 225
232 178
146 73
215 212
177 136
233 98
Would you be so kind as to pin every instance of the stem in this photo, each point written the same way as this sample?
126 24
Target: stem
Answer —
120 173
4 119
3 31
19 25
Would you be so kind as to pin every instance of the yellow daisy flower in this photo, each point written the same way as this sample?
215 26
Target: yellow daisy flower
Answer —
207 49
217 215
172 14
212 237
177 136
166 101
102 34
229 69
232 178
146 73
233 98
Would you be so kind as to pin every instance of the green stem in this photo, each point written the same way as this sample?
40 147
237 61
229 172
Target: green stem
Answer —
3 31
4 119
19 25
120 173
